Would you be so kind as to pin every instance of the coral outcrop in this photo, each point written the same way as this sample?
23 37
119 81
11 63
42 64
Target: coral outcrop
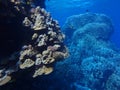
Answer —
94 61
96 25
47 43
92 52
41 45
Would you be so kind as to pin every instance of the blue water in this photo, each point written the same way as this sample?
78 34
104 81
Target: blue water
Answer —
61 9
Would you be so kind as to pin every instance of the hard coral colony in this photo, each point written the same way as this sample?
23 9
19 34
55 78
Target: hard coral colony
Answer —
44 48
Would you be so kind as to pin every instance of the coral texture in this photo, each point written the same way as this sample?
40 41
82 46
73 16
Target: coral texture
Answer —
42 44
97 25
93 57
47 43
93 63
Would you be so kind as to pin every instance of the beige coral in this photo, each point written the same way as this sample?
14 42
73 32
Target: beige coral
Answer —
60 55
4 80
27 22
28 52
43 46
39 23
43 70
47 41
27 63
35 35
48 60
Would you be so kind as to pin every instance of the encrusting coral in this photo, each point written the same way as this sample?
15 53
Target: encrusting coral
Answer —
44 48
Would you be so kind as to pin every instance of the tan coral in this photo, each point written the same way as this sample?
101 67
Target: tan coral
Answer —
37 10
27 22
53 48
60 55
29 52
46 52
39 23
4 80
48 60
43 48
43 70
38 61
47 40
38 55
52 34
27 63
48 70
42 40
35 35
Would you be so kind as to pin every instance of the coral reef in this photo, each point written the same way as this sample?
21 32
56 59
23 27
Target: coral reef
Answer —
96 25
93 63
91 51
113 82
32 44
47 46
41 41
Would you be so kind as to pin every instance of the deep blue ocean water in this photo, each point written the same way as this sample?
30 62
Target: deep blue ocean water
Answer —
61 9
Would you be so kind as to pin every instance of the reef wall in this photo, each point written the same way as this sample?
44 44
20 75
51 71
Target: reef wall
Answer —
94 61
31 42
